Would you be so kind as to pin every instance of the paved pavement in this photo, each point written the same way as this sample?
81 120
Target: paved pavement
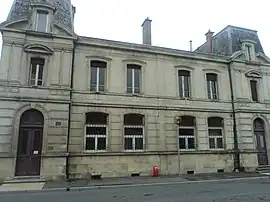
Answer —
242 190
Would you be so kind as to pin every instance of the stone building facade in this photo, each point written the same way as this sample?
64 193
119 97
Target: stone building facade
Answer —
74 106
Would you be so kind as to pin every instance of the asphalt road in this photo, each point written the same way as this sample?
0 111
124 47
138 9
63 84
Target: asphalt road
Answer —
244 190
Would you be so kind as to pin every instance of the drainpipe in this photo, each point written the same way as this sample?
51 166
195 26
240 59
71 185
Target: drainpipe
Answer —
237 166
69 108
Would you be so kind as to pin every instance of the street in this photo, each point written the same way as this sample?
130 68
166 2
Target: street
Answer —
203 191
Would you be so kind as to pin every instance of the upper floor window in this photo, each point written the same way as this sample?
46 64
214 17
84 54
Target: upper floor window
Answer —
133 78
254 91
42 21
96 131
36 72
249 47
98 74
212 86
215 132
184 83
186 132
133 132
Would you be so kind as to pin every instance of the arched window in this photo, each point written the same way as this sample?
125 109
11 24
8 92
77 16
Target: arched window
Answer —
186 132
98 75
215 132
96 131
133 132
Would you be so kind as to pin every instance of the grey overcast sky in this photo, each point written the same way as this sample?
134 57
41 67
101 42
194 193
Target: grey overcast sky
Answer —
174 22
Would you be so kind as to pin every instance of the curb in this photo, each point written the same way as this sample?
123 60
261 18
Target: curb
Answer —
113 185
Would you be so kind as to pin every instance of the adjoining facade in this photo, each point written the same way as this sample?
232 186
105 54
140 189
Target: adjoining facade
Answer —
73 106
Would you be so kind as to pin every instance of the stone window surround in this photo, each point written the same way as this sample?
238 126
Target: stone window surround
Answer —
142 76
107 72
252 49
40 7
144 135
191 71
107 133
196 139
222 131
255 76
45 68
218 73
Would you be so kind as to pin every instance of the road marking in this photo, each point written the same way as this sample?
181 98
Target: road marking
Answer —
158 183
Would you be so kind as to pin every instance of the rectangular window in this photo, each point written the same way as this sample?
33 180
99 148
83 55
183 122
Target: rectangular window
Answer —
42 21
254 92
96 137
212 86
133 138
215 138
184 83
248 48
98 74
36 74
133 78
186 138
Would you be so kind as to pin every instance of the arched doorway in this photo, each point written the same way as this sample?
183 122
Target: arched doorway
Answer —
259 131
29 143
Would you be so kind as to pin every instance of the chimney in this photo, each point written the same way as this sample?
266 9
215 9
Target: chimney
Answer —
190 46
209 41
146 31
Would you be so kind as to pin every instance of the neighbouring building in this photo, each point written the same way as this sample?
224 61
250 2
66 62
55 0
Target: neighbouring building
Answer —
74 106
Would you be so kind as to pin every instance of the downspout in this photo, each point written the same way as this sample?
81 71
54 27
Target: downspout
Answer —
237 166
69 108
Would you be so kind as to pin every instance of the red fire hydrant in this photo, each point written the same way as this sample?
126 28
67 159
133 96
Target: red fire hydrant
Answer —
155 171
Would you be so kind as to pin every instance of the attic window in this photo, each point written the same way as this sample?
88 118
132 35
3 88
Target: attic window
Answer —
42 21
249 49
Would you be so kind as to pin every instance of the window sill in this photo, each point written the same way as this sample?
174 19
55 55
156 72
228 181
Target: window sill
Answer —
94 151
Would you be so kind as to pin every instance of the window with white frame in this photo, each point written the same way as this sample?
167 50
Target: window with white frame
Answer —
215 132
212 86
186 133
96 131
36 72
184 83
98 74
42 21
133 78
133 132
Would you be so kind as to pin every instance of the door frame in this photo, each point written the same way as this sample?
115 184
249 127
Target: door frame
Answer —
266 131
16 129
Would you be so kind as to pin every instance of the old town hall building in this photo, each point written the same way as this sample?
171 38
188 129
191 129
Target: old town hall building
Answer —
74 106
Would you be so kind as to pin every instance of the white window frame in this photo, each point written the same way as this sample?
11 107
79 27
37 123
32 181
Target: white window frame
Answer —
96 137
133 138
186 137
97 77
37 66
183 86
216 137
211 90
133 80
47 20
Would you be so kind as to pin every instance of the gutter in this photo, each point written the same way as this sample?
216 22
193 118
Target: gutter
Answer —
69 108
237 165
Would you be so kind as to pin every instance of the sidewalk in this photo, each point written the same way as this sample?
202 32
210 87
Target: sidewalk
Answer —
147 180
127 181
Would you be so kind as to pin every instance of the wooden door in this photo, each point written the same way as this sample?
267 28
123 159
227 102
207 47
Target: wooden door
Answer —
29 144
259 132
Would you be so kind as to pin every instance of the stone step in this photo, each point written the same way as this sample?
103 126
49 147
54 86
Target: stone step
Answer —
26 179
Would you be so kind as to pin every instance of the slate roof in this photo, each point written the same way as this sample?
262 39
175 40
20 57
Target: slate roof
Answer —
21 10
228 41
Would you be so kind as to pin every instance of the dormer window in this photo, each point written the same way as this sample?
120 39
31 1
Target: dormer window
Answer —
249 48
42 21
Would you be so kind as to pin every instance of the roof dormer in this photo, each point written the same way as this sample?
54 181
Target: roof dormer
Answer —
249 47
